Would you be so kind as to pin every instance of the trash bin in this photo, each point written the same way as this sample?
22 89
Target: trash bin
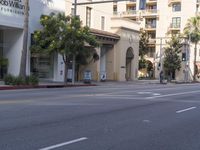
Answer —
87 76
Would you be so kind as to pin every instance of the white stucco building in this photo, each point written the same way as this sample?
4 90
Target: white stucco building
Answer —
11 32
118 37
161 19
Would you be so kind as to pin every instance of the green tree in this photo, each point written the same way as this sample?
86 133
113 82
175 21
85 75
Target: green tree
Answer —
143 48
22 72
192 30
143 43
64 35
172 60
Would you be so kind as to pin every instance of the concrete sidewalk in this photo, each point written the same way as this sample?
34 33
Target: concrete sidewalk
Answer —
43 84
128 82
51 83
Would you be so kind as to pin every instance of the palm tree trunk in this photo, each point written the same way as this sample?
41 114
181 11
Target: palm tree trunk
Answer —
22 72
195 58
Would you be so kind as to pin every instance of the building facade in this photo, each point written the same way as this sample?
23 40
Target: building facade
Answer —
11 35
161 19
118 38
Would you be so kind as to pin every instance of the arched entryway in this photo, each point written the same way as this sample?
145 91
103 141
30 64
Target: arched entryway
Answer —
149 69
129 58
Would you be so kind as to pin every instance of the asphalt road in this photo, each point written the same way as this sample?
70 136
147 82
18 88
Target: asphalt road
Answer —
114 116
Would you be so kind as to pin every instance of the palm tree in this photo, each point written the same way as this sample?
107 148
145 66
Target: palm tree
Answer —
22 72
192 30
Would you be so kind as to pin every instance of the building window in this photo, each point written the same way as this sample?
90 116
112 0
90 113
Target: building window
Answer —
1 43
130 8
150 23
88 16
176 7
102 23
42 65
176 22
199 52
72 11
152 35
151 52
142 5
152 7
115 9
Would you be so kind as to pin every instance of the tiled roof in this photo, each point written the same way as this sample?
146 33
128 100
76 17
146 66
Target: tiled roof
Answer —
104 34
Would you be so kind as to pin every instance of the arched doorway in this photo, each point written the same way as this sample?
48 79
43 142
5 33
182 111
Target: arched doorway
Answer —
129 58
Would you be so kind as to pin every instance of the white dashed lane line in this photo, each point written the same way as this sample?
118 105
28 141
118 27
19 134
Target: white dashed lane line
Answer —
64 144
184 110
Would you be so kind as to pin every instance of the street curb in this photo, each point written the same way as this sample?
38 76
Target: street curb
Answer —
42 86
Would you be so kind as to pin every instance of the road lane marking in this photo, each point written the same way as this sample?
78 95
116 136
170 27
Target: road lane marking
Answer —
183 110
144 92
151 93
14 101
146 121
156 94
173 94
64 144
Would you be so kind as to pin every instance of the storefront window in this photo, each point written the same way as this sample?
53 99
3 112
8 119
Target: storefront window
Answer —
1 43
3 67
42 65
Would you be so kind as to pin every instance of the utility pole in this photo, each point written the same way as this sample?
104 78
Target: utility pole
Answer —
22 71
186 59
161 54
74 56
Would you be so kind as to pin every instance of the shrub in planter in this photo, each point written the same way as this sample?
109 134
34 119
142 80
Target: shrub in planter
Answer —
27 80
32 80
9 79
18 81
12 80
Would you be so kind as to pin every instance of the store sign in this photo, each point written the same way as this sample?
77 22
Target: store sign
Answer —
12 7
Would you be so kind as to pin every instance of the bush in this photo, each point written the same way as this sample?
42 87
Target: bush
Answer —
18 81
8 79
13 80
32 80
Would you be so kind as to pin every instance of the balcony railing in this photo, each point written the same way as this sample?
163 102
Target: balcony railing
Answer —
151 1
130 12
131 1
175 26
152 41
150 11
150 26
125 13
